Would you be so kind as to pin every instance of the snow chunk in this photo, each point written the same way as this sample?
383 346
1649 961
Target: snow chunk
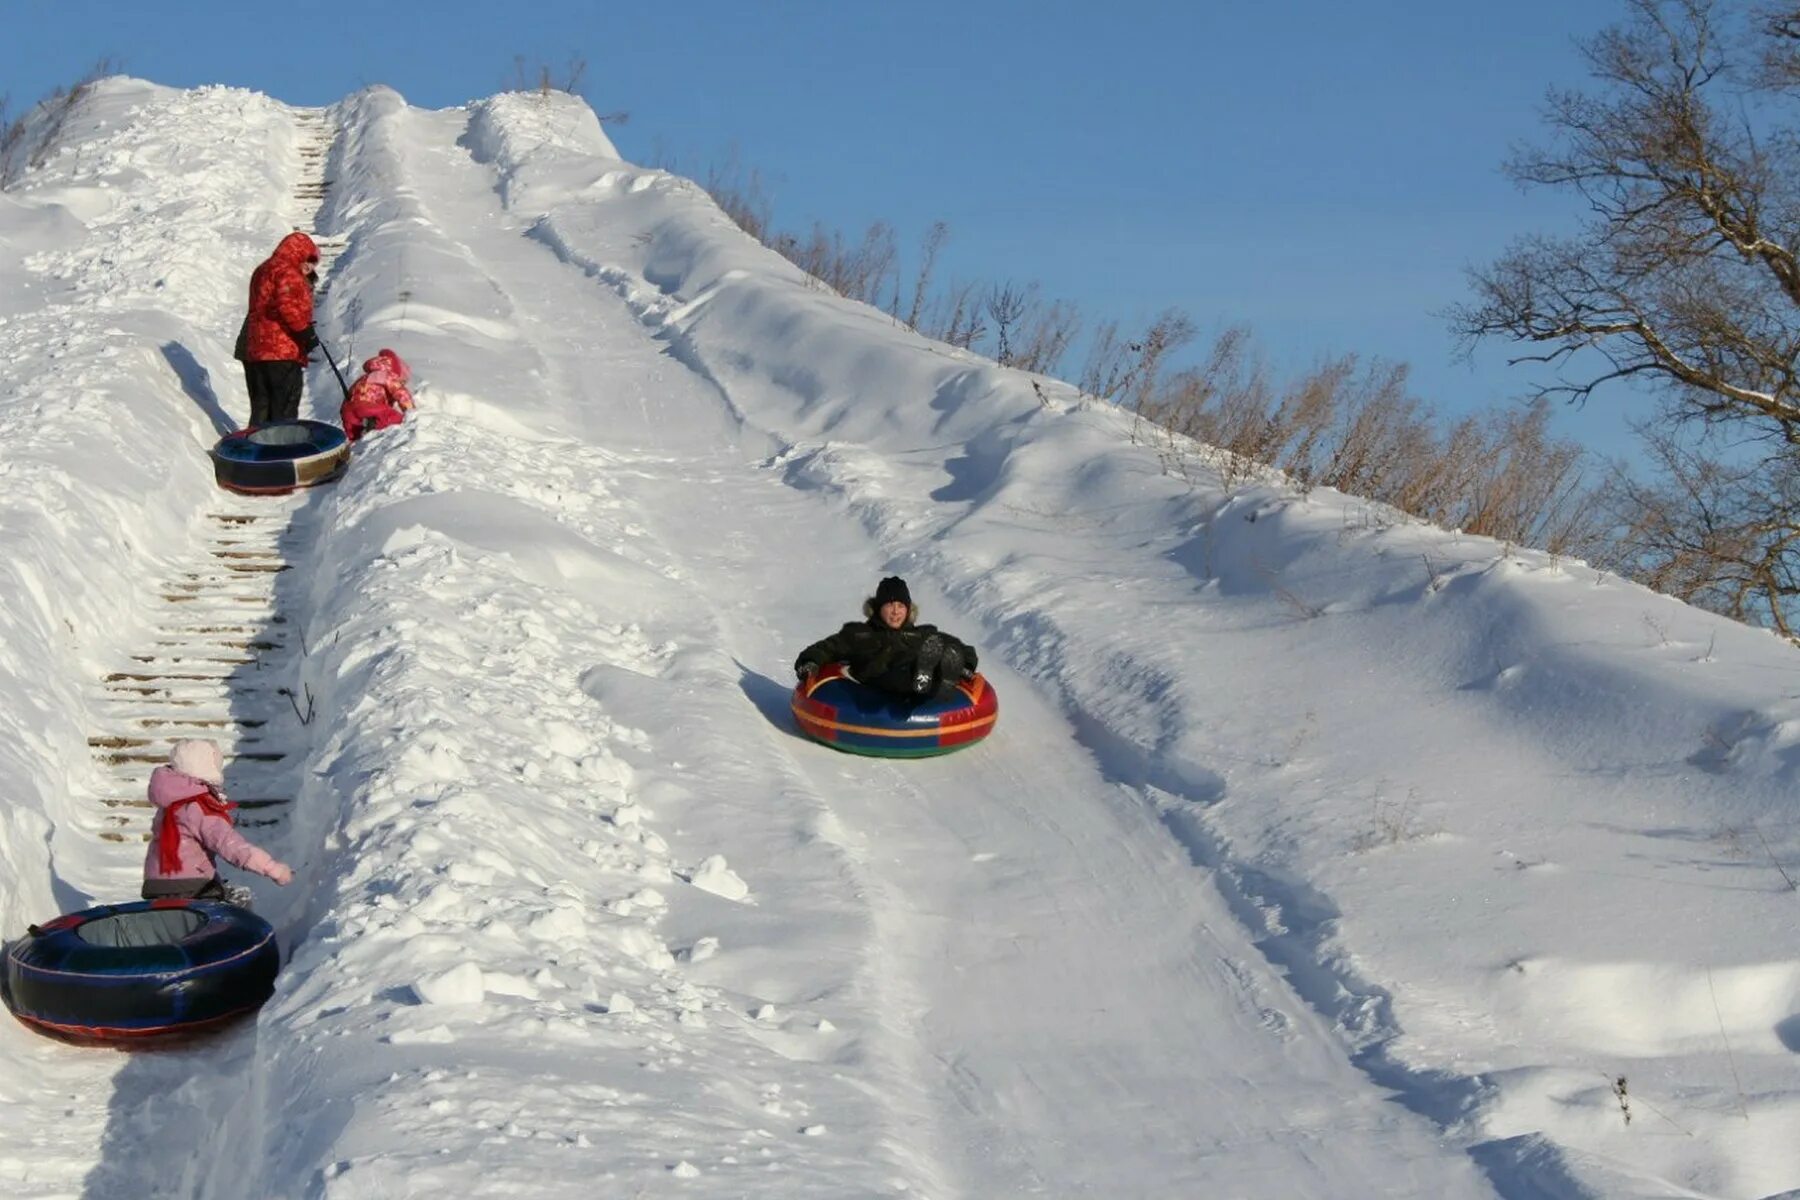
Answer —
715 876
502 983
702 949
461 984
565 924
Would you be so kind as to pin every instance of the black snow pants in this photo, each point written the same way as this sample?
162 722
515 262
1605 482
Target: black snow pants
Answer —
275 389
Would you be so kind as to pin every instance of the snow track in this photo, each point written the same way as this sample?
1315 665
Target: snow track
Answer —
1048 989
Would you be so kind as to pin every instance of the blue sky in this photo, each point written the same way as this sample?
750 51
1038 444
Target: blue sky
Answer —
1323 172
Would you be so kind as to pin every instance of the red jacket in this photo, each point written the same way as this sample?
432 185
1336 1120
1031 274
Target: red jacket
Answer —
379 399
281 302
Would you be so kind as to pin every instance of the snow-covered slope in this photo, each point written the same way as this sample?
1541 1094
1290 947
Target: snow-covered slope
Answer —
1316 853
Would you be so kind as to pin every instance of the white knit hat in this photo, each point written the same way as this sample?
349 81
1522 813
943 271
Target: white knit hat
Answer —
199 758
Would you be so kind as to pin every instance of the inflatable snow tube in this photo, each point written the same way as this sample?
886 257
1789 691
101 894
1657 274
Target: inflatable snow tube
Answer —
140 973
278 457
833 708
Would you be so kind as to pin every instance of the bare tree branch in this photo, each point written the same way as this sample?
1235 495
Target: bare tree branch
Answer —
1684 276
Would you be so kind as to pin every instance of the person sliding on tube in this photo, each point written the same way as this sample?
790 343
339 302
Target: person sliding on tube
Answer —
278 333
193 824
890 652
378 399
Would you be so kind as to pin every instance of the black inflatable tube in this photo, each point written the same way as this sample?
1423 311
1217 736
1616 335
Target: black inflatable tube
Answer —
139 973
278 457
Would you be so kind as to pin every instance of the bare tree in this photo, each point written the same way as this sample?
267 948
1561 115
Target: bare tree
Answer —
1006 307
1684 275
1713 532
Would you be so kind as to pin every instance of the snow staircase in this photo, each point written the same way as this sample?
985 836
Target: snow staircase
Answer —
221 665
223 660
313 188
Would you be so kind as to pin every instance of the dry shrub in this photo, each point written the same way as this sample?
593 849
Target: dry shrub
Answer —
929 249
956 317
1721 531
740 195
27 142
543 80
1347 423
1355 427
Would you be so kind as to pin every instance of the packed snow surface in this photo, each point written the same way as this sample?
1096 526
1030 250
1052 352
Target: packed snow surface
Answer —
1317 853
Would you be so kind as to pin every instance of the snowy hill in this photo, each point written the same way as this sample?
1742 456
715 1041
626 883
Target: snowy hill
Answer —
1316 853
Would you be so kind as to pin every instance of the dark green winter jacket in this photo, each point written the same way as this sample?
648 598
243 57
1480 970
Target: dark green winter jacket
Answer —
878 656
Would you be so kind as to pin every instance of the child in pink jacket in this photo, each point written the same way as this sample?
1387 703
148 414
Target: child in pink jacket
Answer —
378 399
193 823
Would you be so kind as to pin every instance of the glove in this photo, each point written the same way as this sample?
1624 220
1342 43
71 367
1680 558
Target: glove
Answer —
307 340
806 670
282 874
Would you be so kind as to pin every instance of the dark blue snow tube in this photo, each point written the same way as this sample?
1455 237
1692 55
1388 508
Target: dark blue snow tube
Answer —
280 456
140 973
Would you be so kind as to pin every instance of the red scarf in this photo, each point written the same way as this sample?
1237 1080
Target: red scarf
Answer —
168 840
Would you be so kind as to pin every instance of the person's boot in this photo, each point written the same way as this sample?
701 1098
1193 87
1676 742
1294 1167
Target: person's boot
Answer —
931 650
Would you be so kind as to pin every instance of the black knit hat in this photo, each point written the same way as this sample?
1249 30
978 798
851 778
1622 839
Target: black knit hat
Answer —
891 589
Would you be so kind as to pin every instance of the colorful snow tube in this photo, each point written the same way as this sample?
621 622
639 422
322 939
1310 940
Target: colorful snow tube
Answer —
276 458
833 708
140 973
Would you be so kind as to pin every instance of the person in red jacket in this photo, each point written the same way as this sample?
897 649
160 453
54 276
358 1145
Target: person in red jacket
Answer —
278 333
378 399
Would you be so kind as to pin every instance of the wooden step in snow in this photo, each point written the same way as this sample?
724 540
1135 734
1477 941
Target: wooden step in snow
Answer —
126 741
158 756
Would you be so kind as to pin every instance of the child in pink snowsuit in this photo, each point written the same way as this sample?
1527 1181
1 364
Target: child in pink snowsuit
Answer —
193 823
379 398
